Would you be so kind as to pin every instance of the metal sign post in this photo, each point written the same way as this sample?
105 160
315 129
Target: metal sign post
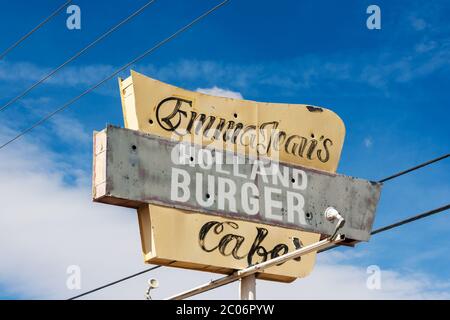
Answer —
247 288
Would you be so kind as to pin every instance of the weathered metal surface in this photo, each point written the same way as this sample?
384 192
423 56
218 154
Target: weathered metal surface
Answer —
132 168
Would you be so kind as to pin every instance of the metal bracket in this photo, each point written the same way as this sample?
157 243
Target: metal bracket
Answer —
332 214
259 267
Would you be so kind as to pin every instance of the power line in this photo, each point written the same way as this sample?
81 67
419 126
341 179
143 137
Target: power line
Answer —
411 219
113 283
402 222
115 73
415 168
23 38
78 54
380 230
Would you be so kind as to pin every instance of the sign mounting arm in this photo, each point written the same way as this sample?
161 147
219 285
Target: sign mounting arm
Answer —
258 267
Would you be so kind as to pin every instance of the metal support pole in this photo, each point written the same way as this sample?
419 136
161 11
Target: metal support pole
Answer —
247 288
259 267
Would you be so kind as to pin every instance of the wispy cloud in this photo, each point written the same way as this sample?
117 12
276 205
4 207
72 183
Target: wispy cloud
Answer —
219 92
70 130
418 23
368 142
420 60
70 76
333 280
20 71
308 72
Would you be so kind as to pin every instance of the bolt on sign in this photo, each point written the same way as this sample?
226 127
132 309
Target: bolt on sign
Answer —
235 226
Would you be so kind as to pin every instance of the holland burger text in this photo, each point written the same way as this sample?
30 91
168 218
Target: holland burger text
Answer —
229 183
174 114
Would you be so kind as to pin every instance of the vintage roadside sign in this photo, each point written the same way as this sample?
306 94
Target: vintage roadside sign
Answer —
133 169
302 135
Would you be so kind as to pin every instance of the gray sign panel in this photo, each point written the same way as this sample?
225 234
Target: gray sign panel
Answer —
132 168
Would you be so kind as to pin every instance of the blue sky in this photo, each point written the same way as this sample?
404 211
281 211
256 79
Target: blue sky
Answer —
390 87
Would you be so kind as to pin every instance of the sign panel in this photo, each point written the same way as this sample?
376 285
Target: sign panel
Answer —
215 244
138 168
293 133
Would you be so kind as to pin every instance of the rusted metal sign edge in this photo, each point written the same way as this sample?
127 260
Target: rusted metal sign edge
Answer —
133 168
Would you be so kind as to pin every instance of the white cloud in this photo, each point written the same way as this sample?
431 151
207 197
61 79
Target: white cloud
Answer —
46 225
307 72
368 142
69 129
418 24
20 71
301 73
344 281
69 76
34 104
82 75
424 47
219 92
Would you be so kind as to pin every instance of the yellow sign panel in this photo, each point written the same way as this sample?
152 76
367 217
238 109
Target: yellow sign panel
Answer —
293 133
210 243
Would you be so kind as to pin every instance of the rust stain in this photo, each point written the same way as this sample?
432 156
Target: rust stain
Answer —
314 109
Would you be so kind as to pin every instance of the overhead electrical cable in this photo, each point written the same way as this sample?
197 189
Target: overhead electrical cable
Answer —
76 55
114 282
402 222
23 38
115 73
401 173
